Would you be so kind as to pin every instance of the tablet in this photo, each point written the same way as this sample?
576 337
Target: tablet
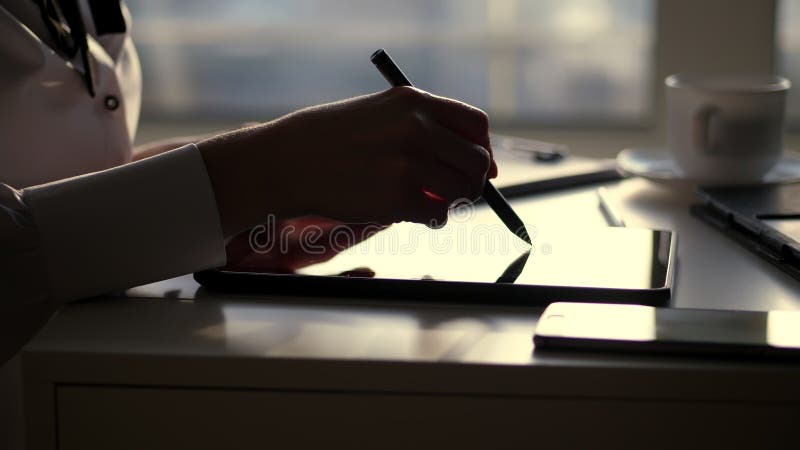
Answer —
476 259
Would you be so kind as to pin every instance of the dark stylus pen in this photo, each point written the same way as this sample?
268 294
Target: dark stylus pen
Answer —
387 67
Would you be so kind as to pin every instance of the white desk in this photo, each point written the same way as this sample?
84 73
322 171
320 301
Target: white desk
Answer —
172 366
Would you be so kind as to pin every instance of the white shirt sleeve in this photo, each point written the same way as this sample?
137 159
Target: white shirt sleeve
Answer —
109 230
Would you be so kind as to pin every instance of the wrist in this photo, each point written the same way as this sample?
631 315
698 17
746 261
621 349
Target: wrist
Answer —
245 172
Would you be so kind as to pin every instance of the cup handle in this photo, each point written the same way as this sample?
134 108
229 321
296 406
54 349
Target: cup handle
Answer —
701 128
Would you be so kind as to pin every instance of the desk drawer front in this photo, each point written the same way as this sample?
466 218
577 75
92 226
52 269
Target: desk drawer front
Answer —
138 418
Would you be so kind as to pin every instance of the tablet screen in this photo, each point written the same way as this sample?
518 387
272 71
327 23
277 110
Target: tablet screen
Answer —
478 248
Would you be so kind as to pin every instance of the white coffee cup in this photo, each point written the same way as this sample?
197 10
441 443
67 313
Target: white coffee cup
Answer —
726 130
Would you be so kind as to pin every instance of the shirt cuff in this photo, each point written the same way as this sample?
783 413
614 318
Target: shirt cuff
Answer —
130 225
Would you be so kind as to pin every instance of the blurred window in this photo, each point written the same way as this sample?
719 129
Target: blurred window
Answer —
788 43
526 61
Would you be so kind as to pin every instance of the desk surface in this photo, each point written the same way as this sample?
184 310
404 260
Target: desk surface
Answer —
175 333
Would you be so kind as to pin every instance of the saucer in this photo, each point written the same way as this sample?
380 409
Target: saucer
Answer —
658 166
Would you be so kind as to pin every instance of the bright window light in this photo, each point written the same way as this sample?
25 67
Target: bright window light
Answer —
526 61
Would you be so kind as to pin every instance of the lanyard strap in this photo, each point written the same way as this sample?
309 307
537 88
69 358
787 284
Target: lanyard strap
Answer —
107 16
65 24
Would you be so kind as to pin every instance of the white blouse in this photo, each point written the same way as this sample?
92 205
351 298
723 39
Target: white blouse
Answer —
66 233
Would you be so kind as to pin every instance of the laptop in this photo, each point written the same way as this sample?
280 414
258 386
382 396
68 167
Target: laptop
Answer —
764 218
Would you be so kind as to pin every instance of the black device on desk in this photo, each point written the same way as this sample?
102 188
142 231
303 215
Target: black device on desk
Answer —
474 260
763 218
635 328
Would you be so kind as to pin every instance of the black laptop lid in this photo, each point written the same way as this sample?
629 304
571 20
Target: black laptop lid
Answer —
770 212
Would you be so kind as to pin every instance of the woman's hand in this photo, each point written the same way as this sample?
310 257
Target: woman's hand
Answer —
399 155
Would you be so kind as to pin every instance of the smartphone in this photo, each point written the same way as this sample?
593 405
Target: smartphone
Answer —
635 328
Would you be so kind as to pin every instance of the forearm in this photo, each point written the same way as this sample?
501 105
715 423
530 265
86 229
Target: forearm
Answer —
158 147
247 171
164 145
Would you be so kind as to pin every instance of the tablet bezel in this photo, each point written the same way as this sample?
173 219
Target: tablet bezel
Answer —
436 291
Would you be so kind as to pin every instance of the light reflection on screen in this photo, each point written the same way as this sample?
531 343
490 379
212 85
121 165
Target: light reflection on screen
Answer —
783 328
479 248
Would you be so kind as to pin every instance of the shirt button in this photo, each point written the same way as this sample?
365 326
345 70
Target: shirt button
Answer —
111 102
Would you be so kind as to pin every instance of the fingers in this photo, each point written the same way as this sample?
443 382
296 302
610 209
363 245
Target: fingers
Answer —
426 210
465 120
471 160
446 163
436 186
445 185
